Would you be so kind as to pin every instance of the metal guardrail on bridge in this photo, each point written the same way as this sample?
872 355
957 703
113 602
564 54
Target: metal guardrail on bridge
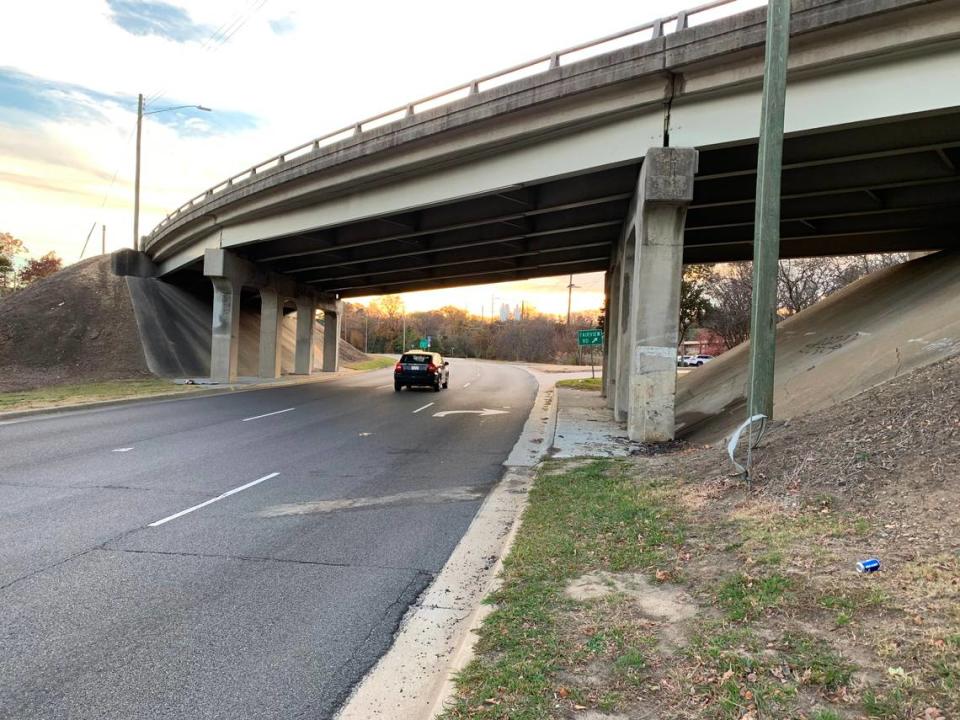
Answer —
648 31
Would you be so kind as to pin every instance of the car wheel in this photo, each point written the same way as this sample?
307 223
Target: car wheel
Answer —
397 387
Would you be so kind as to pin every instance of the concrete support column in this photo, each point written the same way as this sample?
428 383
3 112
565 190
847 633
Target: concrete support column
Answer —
271 325
665 190
605 360
303 357
225 341
621 402
612 334
331 338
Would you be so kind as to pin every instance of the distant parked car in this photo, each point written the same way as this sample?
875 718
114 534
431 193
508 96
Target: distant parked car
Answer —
697 360
682 360
421 368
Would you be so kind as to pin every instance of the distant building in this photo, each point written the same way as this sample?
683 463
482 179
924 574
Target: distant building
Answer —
504 312
517 313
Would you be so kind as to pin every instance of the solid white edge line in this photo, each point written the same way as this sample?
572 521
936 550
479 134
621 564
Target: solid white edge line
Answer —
276 412
423 408
122 450
466 385
228 493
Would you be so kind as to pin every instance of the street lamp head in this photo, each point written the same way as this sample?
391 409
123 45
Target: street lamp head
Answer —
205 109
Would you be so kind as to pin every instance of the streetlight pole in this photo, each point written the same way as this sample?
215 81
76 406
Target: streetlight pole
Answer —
136 182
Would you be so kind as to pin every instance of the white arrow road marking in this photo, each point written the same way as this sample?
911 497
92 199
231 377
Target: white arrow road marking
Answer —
122 449
227 494
276 412
481 413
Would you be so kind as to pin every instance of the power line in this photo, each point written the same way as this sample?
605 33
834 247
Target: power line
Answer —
221 36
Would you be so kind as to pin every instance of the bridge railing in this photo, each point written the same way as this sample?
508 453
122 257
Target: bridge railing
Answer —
631 36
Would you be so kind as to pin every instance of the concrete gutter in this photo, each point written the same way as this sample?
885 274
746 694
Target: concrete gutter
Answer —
415 678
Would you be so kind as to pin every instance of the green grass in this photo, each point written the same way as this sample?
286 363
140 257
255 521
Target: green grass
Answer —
744 597
588 518
826 668
825 715
374 363
58 395
595 383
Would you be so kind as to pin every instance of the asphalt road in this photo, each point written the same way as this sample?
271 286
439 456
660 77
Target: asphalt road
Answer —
270 602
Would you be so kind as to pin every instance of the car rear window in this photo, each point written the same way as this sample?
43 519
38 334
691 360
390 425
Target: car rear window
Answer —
419 359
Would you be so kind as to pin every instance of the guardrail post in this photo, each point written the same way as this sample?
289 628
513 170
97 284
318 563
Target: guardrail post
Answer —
554 61
682 20
657 29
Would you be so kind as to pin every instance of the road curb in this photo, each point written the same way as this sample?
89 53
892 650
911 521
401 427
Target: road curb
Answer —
415 677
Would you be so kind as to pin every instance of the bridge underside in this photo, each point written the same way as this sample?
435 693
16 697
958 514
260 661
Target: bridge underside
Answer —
888 187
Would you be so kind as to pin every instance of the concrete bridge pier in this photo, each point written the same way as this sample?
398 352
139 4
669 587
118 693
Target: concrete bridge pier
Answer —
611 341
271 326
306 321
644 338
624 332
225 340
229 275
331 338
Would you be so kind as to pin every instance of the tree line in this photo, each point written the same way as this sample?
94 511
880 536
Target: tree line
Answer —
30 270
384 327
713 297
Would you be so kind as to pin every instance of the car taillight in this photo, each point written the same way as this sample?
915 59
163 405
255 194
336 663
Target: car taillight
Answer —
398 368
431 368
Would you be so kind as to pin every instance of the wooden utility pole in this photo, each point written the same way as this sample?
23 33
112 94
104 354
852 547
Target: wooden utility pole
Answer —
136 180
103 239
766 234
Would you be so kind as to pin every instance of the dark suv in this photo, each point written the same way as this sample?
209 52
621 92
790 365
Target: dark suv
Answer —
421 368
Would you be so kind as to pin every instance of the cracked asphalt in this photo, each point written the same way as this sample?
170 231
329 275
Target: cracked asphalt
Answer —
270 602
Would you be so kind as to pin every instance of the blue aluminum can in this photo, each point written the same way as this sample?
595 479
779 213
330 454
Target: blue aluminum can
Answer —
868 566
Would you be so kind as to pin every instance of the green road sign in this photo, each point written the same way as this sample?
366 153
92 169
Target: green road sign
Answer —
590 337
424 343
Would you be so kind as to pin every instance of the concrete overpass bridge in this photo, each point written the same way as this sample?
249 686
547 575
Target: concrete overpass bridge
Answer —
632 155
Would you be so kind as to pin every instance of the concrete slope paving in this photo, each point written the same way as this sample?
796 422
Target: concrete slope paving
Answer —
270 602
882 326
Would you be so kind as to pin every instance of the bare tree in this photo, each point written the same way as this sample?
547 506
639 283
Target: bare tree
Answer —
730 292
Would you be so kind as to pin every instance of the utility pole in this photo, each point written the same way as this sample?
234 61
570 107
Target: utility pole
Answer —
103 239
365 331
766 234
136 181
403 343
570 287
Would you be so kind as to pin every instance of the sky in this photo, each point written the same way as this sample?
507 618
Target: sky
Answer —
275 73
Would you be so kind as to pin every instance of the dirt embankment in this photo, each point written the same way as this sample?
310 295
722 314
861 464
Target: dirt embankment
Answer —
74 326
79 325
